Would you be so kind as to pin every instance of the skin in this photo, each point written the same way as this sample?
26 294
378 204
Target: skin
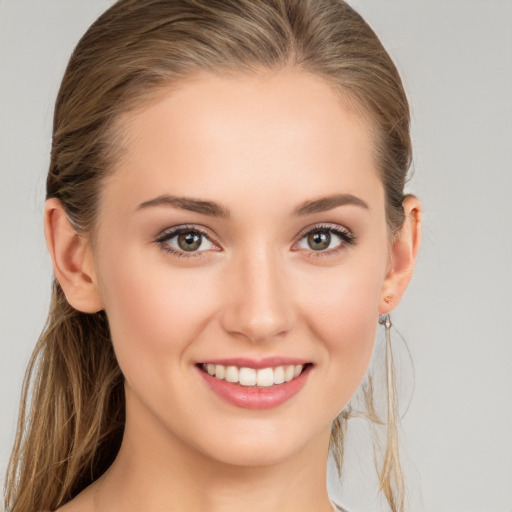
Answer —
261 146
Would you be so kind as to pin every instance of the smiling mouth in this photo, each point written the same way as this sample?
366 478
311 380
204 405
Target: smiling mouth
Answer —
252 377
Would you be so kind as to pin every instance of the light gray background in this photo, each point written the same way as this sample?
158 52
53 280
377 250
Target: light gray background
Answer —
455 57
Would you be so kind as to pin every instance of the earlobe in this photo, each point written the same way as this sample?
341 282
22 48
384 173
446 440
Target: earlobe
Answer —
405 248
72 259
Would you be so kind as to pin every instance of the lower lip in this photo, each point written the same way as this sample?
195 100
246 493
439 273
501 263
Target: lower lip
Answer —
248 397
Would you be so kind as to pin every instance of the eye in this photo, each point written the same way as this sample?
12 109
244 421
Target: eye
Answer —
326 239
185 241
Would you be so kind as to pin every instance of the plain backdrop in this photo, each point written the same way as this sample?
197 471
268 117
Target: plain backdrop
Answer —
455 57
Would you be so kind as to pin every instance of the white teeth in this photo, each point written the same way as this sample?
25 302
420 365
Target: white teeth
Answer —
231 374
264 377
220 371
288 373
247 376
279 375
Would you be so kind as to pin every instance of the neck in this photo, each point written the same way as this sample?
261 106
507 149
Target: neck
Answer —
155 471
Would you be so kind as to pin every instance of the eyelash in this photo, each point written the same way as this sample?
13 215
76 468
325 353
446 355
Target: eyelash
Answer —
346 236
164 238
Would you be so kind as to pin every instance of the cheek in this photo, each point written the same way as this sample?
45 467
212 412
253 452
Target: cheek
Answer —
342 310
153 310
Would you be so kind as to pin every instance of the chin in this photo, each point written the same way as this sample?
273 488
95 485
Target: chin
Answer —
261 443
253 452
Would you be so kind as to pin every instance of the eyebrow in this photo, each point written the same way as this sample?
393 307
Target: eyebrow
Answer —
213 209
187 203
329 203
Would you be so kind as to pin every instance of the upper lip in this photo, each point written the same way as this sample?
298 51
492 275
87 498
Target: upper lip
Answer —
265 362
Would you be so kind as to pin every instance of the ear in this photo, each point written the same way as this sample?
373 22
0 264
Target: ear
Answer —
403 256
72 260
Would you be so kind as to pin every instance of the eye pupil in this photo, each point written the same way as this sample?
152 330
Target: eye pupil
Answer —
189 241
319 240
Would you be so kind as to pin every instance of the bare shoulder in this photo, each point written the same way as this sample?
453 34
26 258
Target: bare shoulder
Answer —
81 503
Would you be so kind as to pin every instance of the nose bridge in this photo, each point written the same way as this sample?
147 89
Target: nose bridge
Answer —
260 306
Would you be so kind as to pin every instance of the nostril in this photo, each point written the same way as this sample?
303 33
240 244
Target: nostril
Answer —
259 307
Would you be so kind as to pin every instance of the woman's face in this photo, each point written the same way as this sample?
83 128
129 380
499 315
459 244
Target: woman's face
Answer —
242 234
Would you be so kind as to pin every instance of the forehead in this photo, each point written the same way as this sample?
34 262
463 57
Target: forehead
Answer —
285 132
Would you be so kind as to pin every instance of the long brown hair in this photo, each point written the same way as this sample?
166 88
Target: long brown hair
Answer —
72 410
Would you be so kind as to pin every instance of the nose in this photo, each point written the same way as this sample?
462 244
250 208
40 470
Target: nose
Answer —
259 305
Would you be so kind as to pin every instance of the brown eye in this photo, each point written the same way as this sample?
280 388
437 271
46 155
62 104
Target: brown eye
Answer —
184 240
326 240
190 241
319 240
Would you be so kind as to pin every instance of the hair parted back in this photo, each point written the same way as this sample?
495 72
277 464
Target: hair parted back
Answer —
72 411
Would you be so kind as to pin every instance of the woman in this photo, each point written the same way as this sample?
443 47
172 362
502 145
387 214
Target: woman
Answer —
227 223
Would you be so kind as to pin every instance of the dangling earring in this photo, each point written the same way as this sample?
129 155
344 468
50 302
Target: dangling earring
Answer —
385 320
